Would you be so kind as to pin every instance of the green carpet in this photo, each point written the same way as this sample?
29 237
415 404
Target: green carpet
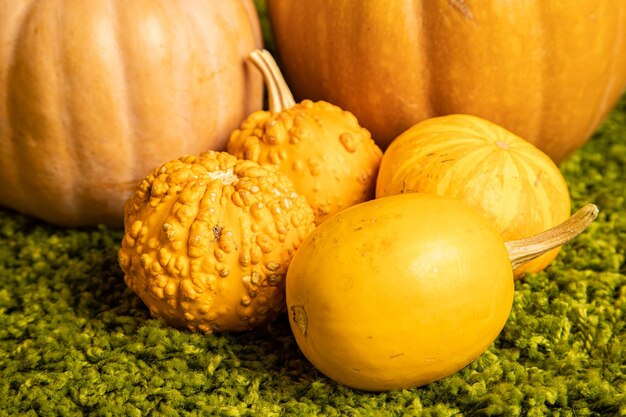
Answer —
75 341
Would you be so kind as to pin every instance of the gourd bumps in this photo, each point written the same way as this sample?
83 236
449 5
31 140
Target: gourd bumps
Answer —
208 239
328 156
331 160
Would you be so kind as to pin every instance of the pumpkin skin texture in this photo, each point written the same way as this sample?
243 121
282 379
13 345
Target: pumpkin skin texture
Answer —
94 94
322 149
208 240
513 183
399 291
547 71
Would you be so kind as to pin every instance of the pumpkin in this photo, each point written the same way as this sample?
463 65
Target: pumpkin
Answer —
328 156
516 185
95 94
547 71
404 290
208 240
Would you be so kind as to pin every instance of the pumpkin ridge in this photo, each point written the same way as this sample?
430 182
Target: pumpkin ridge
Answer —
10 149
618 49
132 109
183 80
64 103
43 135
195 27
425 43
129 151
543 118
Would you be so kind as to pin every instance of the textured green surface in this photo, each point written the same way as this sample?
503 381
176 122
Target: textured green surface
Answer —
74 340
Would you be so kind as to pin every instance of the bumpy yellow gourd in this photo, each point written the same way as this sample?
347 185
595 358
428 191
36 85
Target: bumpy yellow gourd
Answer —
403 290
516 185
328 156
208 240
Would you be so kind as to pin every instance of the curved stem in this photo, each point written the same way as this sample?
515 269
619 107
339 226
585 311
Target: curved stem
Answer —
527 249
279 95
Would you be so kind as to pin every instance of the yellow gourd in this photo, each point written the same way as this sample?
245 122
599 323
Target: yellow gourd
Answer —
403 290
208 240
328 156
516 185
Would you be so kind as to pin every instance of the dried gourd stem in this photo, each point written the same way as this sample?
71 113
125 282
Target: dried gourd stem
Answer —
279 95
527 249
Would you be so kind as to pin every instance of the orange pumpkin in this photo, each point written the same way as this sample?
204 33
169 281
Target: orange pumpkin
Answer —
549 71
517 186
96 93
322 149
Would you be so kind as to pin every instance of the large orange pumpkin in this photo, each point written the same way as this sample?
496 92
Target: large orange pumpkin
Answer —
94 94
549 71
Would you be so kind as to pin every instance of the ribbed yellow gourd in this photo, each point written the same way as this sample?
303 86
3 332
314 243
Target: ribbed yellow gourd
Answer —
516 185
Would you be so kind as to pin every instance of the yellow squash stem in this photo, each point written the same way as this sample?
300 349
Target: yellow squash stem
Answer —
279 95
527 249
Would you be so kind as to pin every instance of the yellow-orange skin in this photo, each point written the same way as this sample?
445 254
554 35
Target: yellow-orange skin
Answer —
516 185
549 71
329 157
95 94
400 291
208 240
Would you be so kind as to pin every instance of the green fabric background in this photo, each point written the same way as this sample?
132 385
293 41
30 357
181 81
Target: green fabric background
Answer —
75 341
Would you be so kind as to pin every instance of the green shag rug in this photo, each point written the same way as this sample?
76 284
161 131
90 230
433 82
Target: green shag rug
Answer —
75 341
